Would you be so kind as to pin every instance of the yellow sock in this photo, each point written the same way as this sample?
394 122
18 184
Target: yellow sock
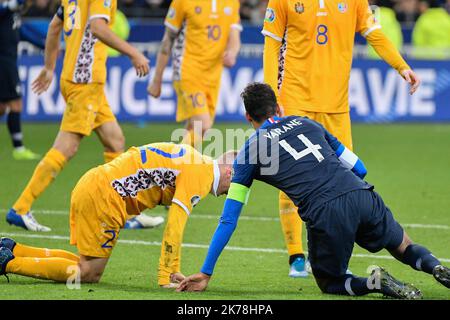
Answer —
21 250
110 156
44 174
192 138
56 269
291 225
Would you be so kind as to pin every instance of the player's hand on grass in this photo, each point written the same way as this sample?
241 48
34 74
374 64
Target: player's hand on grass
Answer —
154 89
43 81
177 277
229 59
412 78
141 64
196 282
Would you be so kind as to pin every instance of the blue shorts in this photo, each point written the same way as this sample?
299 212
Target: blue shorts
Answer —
356 217
10 88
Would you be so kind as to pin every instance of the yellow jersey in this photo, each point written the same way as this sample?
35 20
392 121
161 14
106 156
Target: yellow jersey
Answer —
85 57
203 27
315 58
161 174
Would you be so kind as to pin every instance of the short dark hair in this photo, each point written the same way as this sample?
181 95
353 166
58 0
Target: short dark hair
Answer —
260 101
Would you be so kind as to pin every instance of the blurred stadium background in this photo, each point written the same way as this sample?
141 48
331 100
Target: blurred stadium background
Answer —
420 28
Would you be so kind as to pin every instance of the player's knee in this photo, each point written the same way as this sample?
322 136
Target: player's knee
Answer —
90 275
323 283
69 150
116 144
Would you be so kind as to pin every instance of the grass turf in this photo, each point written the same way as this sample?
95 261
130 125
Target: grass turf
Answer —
407 163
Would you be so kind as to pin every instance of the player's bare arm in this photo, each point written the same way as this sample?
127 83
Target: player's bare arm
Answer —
386 50
154 89
233 47
101 30
45 77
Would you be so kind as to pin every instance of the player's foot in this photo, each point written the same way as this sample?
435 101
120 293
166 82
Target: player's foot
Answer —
25 154
26 221
297 269
394 288
143 221
7 243
442 275
6 256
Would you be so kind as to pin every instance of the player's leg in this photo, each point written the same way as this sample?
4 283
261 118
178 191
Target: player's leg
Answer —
15 131
64 148
78 121
291 224
58 269
108 129
21 250
192 107
390 235
331 237
292 227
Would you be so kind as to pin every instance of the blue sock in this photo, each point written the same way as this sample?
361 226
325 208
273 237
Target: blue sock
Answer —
349 285
420 258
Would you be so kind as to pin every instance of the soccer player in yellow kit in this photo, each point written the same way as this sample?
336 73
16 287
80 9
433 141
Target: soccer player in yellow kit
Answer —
141 178
203 36
86 26
307 61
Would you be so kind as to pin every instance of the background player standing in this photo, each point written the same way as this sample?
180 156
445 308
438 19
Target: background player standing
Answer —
307 62
87 35
203 36
10 89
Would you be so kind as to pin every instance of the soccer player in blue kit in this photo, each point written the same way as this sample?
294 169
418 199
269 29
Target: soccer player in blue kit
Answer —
325 181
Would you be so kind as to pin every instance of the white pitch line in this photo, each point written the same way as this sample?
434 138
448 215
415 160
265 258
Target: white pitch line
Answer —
189 245
246 218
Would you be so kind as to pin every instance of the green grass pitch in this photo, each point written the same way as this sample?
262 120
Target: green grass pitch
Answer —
409 165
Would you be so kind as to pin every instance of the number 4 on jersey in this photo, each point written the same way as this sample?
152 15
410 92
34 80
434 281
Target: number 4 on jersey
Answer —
310 148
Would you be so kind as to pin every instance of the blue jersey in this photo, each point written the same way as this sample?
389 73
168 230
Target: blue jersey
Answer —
298 156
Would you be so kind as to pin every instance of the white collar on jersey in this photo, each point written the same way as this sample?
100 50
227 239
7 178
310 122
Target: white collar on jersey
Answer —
216 177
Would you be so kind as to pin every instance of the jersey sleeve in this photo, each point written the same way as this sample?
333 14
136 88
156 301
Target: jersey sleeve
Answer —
175 16
100 9
365 19
275 20
169 261
236 21
347 158
193 185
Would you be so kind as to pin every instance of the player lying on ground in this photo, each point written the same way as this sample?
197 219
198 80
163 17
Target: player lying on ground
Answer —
141 178
87 35
324 179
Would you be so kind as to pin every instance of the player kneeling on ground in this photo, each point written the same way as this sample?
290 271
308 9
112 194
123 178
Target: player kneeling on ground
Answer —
141 178
325 181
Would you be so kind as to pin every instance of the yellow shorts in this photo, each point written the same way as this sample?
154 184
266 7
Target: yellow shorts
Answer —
195 100
338 124
97 214
86 107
